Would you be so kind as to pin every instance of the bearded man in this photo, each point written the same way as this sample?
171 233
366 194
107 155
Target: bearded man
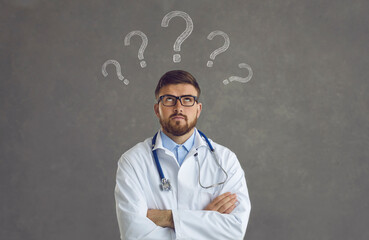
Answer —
179 184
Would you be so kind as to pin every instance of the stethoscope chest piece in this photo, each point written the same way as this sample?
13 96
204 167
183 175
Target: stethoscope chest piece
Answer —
165 185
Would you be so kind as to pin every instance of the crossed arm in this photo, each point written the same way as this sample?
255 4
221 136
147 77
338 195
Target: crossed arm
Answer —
224 203
226 217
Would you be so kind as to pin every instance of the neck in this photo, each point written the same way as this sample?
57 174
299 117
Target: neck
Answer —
179 139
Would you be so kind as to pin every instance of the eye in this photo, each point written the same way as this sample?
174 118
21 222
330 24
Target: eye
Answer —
169 99
187 99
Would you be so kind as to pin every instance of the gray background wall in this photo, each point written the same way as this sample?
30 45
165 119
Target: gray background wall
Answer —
299 127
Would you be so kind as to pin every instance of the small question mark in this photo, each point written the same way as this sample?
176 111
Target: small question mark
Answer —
219 50
240 79
143 45
183 36
118 68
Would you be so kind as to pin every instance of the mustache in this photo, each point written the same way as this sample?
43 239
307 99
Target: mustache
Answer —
178 114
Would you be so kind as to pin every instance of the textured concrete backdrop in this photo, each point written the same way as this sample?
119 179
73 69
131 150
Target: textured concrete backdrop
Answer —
300 126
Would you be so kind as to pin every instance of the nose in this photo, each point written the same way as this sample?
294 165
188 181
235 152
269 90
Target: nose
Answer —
178 107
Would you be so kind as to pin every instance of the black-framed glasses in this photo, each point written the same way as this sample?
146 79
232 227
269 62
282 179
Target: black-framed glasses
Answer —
170 100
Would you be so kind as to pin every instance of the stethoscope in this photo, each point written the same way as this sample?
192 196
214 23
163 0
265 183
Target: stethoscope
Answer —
165 183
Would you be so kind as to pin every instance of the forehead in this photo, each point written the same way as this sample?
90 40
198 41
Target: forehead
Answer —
178 89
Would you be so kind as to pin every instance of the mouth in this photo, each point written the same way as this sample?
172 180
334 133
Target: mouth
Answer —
178 117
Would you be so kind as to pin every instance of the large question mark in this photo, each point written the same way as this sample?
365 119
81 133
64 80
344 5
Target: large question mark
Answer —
240 79
219 50
118 69
143 45
183 36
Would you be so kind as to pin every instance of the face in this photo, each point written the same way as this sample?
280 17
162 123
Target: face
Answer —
178 120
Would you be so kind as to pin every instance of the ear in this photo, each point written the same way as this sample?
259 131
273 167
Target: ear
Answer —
156 110
199 108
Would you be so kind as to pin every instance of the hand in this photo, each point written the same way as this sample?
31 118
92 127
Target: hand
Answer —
162 218
224 203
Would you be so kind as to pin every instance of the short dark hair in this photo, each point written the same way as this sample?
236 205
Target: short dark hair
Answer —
177 77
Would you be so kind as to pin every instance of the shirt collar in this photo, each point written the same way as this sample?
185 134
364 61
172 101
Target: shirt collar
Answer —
190 142
169 144
197 141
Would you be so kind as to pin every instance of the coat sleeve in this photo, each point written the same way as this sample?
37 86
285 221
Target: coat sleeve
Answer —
132 209
202 224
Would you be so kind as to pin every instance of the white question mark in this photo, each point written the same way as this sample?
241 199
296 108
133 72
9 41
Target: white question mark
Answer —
183 36
240 79
219 50
118 69
143 45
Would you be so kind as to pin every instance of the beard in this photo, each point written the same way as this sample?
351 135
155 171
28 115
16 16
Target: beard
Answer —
175 128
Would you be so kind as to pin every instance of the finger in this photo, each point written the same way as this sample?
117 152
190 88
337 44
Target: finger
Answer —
227 205
225 200
220 198
229 210
212 206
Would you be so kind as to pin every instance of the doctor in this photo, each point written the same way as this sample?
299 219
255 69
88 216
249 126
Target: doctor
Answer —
186 191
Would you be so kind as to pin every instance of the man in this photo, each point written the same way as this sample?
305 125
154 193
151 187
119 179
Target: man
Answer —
204 199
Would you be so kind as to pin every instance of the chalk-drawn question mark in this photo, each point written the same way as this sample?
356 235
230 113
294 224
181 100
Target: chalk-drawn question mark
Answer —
143 45
118 69
240 79
183 36
219 50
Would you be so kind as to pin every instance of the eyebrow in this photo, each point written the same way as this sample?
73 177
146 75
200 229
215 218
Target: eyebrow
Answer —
180 95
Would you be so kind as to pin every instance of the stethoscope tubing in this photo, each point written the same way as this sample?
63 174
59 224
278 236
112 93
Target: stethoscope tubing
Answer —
165 184
158 166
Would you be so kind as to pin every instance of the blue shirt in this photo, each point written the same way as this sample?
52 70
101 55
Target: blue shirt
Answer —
180 151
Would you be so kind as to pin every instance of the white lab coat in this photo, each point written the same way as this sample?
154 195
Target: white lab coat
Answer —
138 189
